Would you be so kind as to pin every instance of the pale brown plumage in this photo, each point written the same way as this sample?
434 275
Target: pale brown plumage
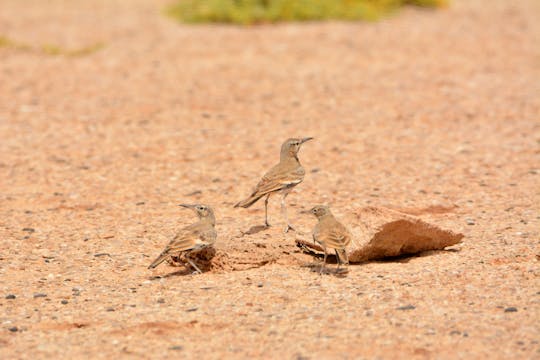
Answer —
331 234
191 238
281 178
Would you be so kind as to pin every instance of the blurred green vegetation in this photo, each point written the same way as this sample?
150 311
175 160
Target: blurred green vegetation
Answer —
268 11
49 49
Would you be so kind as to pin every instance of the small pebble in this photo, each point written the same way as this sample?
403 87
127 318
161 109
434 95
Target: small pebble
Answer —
470 222
103 254
64 302
260 285
13 329
39 295
192 309
10 297
407 307
510 309
30 230
161 301
110 309
176 347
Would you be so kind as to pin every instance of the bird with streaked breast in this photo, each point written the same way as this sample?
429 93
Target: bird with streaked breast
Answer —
330 233
281 178
191 238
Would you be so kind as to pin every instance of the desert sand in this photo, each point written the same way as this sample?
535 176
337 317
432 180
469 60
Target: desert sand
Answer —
432 113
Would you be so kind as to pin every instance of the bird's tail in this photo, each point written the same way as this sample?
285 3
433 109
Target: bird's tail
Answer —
249 201
161 258
343 258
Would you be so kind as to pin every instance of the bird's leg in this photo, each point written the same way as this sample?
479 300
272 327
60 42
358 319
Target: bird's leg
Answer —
338 260
288 226
197 270
266 211
324 262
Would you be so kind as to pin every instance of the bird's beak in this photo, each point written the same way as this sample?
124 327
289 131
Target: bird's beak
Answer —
306 211
189 206
305 139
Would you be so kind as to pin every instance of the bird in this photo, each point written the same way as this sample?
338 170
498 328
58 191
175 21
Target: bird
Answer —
281 178
191 238
330 233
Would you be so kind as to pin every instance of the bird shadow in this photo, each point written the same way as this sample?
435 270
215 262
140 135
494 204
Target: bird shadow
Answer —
316 268
255 229
181 272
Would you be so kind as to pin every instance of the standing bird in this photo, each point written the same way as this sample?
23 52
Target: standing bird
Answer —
281 178
192 238
330 233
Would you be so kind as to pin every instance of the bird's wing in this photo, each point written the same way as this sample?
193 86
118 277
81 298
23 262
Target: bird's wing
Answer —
191 237
278 178
336 236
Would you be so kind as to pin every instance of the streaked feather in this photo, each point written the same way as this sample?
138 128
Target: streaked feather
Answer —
192 237
284 175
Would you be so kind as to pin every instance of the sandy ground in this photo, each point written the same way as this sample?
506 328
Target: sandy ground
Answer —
420 111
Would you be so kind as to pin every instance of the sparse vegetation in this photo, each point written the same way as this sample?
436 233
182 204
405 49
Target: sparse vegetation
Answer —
269 11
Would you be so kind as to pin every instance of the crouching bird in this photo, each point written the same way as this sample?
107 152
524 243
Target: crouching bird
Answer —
192 238
331 234
281 178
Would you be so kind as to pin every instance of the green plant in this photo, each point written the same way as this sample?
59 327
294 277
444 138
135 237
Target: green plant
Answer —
269 11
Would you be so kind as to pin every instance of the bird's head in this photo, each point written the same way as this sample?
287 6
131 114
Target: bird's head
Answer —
320 211
291 146
203 211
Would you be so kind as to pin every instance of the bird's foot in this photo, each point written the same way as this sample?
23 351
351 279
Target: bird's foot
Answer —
267 224
287 228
